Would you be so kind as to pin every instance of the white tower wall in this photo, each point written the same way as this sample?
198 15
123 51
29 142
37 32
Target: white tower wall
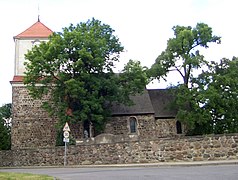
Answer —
21 48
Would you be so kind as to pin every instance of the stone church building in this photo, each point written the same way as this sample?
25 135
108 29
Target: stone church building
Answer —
148 118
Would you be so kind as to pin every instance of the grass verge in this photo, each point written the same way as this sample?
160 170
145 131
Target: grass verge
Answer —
23 176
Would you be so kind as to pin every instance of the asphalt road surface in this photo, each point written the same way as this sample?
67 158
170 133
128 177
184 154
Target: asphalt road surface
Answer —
215 172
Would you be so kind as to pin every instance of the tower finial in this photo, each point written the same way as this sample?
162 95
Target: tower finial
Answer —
38 13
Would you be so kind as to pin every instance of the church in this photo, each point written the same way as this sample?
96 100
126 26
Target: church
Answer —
32 127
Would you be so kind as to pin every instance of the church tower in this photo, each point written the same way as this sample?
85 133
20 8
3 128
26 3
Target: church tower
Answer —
31 125
25 41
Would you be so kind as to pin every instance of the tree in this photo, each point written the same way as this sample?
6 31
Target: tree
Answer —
218 95
133 78
76 68
5 127
182 53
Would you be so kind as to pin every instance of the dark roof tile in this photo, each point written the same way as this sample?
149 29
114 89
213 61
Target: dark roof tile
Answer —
161 100
142 105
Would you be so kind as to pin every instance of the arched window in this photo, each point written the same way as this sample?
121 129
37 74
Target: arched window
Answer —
86 129
133 125
179 127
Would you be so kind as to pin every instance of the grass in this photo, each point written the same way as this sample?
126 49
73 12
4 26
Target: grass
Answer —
23 176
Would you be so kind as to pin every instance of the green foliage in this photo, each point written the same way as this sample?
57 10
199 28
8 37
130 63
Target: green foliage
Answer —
5 127
182 54
76 67
210 105
190 112
133 79
219 94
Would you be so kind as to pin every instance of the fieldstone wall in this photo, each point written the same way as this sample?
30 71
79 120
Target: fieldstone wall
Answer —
31 126
119 125
166 127
109 149
147 127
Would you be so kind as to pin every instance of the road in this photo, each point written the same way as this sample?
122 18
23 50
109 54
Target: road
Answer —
209 172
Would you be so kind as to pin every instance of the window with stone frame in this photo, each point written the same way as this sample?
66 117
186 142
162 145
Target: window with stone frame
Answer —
133 125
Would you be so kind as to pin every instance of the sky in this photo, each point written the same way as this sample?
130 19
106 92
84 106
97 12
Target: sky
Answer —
143 27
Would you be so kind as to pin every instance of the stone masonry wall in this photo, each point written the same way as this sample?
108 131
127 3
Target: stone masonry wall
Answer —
199 148
147 126
165 127
119 125
31 126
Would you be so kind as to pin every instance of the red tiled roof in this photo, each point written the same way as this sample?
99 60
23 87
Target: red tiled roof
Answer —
37 30
21 78
17 79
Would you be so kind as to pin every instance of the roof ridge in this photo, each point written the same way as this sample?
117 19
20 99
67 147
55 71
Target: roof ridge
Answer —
38 29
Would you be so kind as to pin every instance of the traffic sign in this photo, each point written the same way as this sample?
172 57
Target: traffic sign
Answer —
66 127
66 140
66 134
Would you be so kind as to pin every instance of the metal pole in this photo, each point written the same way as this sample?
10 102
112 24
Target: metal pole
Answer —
65 149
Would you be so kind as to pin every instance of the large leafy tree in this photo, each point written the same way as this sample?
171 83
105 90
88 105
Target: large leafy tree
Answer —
5 127
182 55
133 78
76 68
217 97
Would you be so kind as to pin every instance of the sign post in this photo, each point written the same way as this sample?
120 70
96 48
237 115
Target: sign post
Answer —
66 140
